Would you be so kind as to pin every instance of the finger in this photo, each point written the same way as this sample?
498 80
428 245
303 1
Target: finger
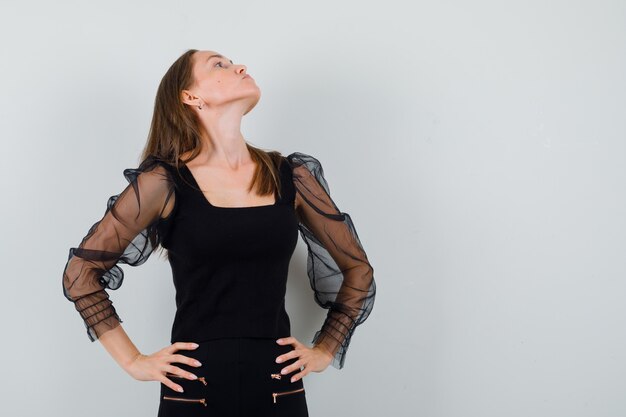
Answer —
164 380
181 345
292 341
176 371
292 367
177 357
286 356
299 375
285 340
296 342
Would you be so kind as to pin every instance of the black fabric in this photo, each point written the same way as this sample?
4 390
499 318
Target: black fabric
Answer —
238 377
229 264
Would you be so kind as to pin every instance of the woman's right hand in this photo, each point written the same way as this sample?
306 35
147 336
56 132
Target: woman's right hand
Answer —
153 367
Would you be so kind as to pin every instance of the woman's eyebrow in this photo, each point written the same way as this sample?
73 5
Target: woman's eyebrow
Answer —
218 56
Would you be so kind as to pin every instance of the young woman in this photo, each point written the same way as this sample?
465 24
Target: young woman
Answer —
228 216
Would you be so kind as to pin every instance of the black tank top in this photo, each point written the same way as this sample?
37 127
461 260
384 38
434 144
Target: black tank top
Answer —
229 264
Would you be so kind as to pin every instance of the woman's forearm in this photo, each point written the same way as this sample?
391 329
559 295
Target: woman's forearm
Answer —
119 346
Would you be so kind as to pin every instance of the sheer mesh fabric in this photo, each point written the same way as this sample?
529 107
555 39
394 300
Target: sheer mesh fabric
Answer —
126 234
339 272
338 269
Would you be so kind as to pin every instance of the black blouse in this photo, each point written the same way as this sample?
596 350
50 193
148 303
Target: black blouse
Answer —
229 264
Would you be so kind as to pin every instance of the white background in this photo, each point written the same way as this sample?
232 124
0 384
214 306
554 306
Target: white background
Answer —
478 146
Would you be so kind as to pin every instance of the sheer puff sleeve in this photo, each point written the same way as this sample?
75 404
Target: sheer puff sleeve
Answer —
339 272
126 234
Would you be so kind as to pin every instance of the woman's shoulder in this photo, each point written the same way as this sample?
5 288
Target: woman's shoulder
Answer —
155 162
155 169
300 160
297 158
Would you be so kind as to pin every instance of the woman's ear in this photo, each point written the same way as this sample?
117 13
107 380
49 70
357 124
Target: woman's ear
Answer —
189 98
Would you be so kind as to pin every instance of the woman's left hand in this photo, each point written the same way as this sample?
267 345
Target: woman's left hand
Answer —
314 359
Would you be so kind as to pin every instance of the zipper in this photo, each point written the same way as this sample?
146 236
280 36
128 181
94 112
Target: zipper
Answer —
275 376
191 400
200 378
276 394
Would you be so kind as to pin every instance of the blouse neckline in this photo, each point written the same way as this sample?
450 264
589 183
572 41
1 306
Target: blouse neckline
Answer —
206 200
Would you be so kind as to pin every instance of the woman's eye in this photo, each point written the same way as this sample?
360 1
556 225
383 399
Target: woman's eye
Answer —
219 62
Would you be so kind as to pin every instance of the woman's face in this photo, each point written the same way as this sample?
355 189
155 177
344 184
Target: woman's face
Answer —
219 82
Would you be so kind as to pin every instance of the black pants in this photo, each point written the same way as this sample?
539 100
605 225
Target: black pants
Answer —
239 377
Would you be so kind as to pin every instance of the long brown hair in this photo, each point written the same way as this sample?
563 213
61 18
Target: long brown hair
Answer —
176 129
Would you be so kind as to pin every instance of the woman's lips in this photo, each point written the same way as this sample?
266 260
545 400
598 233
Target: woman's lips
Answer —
247 76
